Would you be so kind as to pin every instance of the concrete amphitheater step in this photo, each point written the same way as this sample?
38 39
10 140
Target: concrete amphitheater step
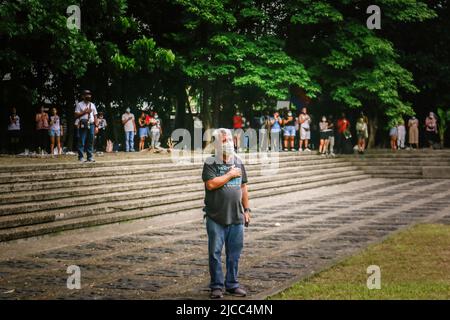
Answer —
93 170
197 192
138 193
75 165
120 216
156 173
130 184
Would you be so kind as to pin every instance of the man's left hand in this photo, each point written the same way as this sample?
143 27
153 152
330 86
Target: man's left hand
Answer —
247 217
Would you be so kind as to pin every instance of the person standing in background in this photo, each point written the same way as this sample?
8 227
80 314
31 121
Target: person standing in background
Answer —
289 131
275 131
14 131
331 135
342 127
431 131
264 124
393 134
42 130
101 135
143 131
129 127
401 132
155 131
238 124
362 134
86 120
325 132
413 132
55 132
305 129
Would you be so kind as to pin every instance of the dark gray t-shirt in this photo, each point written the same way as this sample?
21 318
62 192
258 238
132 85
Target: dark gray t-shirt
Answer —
224 205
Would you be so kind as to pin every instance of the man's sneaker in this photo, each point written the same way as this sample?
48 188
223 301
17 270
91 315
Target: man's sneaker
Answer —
308 150
216 294
286 149
237 292
293 150
90 160
81 160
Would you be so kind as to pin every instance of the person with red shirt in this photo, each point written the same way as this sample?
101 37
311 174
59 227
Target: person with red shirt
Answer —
238 123
343 133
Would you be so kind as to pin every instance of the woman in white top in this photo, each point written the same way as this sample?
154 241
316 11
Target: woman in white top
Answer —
55 131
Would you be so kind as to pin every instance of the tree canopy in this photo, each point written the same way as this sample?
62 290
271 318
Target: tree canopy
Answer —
227 54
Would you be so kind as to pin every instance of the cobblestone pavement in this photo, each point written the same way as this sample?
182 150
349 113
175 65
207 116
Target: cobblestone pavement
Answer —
290 237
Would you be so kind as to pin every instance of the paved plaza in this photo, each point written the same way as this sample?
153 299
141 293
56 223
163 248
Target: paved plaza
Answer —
165 257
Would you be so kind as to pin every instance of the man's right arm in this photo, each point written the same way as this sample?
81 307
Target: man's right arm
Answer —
79 112
218 182
125 120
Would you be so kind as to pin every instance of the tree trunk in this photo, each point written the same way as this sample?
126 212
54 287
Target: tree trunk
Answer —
206 108
373 127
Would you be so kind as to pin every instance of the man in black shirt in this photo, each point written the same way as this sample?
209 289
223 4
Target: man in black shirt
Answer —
226 208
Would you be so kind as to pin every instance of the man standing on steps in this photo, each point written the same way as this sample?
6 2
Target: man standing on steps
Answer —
86 114
129 126
226 211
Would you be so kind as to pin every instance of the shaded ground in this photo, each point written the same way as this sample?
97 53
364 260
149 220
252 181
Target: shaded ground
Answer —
291 237
414 264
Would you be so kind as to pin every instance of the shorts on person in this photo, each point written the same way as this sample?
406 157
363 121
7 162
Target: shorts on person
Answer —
305 133
289 131
360 135
325 135
143 132
54 132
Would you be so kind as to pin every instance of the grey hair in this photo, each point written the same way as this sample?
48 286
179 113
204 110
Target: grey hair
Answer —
219 132
218 141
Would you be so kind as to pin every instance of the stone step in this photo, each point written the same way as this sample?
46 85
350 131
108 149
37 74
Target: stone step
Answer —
100 163
120 216
396 175
92 170
408 163
142 175
112 197
401 155
149 183
150 201
389 170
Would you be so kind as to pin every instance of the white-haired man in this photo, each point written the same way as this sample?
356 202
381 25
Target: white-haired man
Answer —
226 210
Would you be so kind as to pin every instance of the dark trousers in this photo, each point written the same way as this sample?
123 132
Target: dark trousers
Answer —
42 138
86 142
14 139
101 140
340 142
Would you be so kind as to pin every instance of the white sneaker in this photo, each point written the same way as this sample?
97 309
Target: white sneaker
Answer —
308 150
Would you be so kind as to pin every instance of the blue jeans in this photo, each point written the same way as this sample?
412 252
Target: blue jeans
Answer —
233 238
129 141
86 139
